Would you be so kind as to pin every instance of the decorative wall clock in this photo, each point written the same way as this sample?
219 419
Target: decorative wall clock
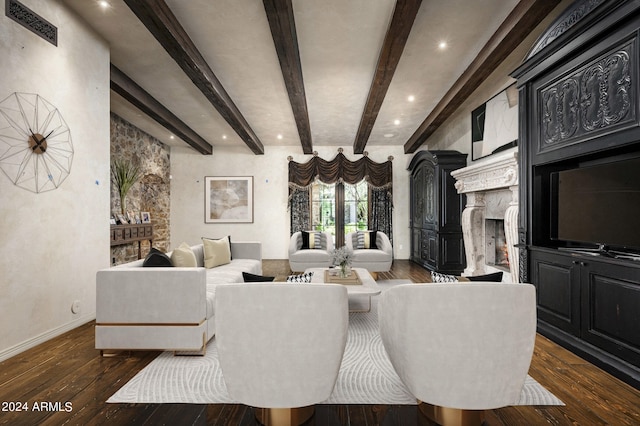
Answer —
36 151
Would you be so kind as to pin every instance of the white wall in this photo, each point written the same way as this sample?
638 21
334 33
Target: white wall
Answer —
455 133
270 172
54 242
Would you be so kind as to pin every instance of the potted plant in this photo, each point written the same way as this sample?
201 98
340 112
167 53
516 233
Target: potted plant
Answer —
124 174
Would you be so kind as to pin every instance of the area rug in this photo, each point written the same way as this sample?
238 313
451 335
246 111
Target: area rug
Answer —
366 375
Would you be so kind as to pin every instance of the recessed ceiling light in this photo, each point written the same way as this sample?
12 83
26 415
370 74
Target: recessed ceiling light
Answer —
396 122
172 137
442 45
224 136
104 4
389 135
411 98
279 136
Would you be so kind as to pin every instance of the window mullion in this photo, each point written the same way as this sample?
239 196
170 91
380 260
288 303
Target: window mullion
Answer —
339 214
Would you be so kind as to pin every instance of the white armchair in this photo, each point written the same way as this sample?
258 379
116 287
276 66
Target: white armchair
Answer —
460 348
301 259
372 259
280 345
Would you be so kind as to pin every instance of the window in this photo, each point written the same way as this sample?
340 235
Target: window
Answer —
365 202
356 207
332 202
323 202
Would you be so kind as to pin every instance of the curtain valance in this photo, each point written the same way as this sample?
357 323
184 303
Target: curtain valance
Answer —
340 169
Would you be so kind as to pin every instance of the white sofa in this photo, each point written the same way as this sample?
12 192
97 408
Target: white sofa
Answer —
373 260
165 308
302 259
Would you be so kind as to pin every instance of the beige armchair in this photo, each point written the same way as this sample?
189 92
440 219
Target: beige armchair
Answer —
280 345
460 348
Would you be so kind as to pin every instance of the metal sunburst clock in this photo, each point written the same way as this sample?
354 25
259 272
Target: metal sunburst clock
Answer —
35 142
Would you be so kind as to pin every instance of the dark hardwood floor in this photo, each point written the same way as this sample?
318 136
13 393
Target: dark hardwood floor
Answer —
68 369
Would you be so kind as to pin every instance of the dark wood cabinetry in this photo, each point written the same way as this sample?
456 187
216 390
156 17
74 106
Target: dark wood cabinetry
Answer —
579 107
436 210
591 297
557 279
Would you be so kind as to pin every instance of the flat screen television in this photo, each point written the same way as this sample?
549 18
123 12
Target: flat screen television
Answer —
598 205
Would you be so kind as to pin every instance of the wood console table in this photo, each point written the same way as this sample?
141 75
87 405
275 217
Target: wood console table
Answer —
127 234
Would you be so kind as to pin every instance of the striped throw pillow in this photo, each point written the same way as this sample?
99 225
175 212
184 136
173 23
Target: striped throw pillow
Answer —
366 240
314 240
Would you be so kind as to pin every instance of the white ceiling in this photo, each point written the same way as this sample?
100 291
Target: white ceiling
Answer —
339 43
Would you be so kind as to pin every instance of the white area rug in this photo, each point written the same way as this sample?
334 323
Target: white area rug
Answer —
366 375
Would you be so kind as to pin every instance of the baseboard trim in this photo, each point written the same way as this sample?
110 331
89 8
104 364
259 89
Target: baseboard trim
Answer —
47 335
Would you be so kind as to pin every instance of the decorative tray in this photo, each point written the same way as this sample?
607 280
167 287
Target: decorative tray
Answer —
351 279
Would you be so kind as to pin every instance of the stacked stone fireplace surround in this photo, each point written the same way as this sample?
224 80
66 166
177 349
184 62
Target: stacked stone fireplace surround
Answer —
491 189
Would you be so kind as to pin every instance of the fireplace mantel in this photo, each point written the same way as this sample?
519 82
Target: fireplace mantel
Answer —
491 188
499 171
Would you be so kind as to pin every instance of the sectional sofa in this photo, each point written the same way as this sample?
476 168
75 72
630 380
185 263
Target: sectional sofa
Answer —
166 308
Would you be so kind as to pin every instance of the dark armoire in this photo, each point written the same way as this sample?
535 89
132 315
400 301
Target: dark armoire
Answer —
436 210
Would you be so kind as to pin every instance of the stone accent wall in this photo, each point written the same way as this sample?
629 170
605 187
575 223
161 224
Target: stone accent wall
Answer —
150 193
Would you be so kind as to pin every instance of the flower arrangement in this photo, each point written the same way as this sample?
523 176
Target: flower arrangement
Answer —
342 257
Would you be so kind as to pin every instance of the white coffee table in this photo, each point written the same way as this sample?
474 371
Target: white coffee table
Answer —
367 289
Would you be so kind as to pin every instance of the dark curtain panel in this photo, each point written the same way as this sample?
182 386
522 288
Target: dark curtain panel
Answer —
382 210
299 206
379 177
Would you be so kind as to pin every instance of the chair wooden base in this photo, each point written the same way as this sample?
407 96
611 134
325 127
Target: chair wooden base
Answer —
284 416
111 353
446 416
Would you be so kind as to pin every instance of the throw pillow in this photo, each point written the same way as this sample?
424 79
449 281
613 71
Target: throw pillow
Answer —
313 240
184 257
156 258
302 278
253 278
216 252
366 240
228 236
437 277
495 277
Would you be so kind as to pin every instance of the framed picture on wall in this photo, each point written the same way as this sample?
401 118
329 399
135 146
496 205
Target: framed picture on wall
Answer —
228 199
146 217
494 124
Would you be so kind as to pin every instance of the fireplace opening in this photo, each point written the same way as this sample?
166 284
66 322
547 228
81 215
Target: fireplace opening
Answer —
496 251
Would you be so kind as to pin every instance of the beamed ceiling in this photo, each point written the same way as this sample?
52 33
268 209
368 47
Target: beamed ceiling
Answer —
303 73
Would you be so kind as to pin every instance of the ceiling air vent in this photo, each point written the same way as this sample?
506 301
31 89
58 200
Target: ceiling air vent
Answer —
32 21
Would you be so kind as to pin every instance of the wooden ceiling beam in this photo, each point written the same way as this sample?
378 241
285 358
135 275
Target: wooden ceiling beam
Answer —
516 27
162 23
285 39
404 15
136 95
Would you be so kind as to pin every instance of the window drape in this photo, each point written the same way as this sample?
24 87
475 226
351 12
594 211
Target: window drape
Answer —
379 178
